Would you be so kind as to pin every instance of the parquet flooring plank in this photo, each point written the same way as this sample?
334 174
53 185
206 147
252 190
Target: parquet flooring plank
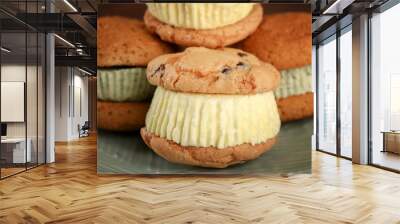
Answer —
70 191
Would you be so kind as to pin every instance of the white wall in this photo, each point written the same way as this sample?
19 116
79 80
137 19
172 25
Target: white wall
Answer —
33 127
70 83
15 72
62 81
13 101
80 111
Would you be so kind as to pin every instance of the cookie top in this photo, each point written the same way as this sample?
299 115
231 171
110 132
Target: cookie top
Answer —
282 39
212 71
123 41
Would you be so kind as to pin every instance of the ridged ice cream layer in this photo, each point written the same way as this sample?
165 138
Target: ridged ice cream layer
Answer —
200 15
125 84
294 82
214 120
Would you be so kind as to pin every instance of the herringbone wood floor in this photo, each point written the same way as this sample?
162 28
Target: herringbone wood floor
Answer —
70 191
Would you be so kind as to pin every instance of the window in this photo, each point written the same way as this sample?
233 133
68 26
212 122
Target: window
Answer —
346 75
394 111
327 96
385 89
334 106
22 79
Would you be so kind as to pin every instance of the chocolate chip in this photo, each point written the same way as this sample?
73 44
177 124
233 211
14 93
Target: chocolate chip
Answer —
241 65
226 70
160 70
241 54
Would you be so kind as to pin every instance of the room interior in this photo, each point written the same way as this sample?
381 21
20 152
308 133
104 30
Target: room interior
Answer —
335 71
48 93
27 106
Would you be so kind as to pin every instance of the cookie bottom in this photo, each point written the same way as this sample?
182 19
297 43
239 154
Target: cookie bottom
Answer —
205 156
211 38
296 107
126 116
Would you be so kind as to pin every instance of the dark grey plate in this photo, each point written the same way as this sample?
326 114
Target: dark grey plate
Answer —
126 153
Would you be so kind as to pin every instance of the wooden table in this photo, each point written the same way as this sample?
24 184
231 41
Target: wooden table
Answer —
391 141
15 148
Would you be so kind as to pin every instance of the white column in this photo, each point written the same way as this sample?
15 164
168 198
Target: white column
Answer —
62 103
50 99
314 85
50 92
360 90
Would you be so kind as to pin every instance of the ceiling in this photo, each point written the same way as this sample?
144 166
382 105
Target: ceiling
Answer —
332 15
74 22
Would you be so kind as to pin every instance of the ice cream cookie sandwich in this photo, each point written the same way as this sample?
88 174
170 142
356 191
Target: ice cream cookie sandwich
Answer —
211 108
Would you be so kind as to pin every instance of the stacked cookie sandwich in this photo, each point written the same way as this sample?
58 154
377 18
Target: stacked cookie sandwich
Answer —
124 48
211 108
284 40
211 25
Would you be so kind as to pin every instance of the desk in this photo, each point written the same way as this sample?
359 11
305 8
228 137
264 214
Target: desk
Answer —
13 150
391 141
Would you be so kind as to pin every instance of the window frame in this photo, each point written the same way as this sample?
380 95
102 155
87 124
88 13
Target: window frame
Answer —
334 37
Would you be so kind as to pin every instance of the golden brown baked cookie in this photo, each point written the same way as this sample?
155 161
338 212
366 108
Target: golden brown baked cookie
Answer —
211 38
282 39
203 70
205 156
123 41
296 107
126 116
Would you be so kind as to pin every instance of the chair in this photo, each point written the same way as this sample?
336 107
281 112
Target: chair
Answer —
84 130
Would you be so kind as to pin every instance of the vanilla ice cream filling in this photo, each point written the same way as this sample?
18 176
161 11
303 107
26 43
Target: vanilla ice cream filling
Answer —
294 82
200 15
123 84
213 120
